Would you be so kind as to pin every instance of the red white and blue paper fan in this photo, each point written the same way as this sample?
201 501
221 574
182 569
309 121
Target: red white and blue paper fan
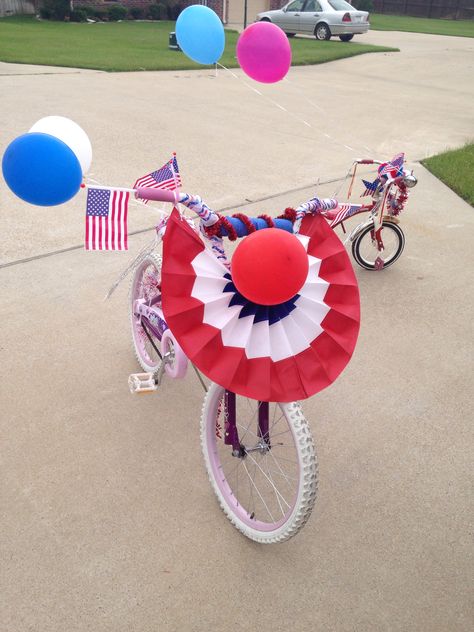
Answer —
282 352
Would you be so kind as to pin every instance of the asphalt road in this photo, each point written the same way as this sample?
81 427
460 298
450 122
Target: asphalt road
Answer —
107 520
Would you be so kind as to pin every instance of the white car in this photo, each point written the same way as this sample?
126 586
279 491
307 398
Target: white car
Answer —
322 18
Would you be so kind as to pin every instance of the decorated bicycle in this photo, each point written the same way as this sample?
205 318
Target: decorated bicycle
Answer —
275 324
379 241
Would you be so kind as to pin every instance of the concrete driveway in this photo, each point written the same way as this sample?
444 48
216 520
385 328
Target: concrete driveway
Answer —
108 522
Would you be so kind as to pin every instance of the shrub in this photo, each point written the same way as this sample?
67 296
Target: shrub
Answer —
174 9
136 13
99 14
58 9
117 12
158 12
364 5
78 15
89 11
45 13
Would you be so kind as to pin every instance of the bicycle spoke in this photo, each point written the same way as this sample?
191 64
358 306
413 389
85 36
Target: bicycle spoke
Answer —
285 476
271 482
275 423
278 434
253 486
249 423
282 458
276 495
246 431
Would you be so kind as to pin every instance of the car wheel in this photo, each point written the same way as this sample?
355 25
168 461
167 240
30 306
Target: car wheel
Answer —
345 38
265 20
322 32
290 34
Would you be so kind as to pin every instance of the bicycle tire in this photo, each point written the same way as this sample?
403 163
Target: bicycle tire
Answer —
147 357
225 482
365 252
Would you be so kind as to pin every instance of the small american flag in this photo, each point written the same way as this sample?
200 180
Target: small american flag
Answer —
167 177
344 211
370 187
106 219
394 165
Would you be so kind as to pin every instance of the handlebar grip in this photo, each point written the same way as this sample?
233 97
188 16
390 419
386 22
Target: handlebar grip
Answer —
241 230
159 195
366 161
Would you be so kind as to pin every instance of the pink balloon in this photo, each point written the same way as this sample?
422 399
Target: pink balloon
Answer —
264 52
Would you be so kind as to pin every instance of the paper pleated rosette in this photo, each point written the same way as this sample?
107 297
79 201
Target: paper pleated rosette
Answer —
278 353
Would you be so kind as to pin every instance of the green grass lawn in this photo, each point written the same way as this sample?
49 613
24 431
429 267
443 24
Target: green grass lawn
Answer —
456 169
460 28
125 46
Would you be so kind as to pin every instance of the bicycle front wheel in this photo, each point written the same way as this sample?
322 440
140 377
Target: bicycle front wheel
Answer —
268 490
366 253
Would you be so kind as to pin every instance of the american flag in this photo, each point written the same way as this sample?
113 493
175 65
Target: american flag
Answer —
167 177
394 165
106 219
344 211
370 187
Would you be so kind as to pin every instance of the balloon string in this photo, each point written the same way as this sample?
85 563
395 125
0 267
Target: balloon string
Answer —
290 113
269 99
323 111
298 118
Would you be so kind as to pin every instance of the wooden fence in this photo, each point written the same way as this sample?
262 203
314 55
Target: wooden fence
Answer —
451 9
11 7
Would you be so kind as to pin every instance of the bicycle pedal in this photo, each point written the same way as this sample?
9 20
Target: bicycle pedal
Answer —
142 383
378 263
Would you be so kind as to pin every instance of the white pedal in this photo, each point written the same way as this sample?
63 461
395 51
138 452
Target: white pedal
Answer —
142 383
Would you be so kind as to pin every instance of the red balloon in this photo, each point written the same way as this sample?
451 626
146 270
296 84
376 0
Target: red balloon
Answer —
269 266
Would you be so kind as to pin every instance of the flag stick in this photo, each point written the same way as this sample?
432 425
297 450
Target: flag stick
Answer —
91 186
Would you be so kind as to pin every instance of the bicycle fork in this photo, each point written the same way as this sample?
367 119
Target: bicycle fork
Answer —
355 232
231 433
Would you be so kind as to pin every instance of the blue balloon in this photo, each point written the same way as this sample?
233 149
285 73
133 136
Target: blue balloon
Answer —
200 34
41 169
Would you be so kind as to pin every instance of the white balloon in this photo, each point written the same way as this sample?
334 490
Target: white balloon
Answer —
71 134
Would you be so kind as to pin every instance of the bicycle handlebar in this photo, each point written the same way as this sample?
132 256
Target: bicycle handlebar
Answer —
158 195
368 161
237 225
217 226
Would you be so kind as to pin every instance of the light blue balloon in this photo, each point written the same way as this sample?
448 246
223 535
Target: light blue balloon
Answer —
200 34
